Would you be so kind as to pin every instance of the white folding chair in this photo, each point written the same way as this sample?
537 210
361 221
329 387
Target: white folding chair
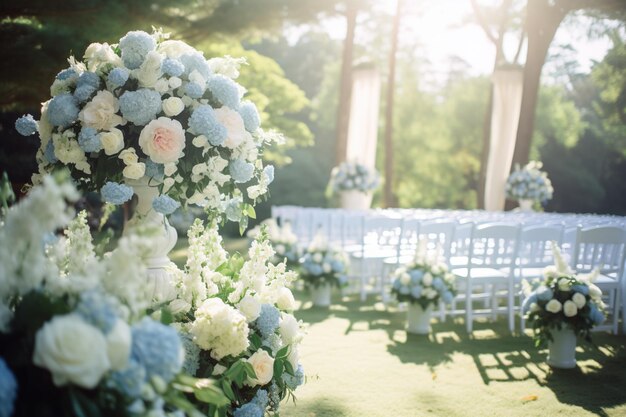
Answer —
603 247
489 273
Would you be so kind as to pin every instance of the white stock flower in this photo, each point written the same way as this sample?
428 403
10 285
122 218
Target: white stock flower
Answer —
72 350
179 306
554 306
134 171
112 141
118 345
150 70
227 66
595 292
289 329
232 121
100 112
163 140
285 300
174 48
263 365
293 356
569 308
579 299
100 54
250 307
173 106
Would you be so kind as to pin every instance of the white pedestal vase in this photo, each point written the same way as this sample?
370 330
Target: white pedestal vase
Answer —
356 200
562 350
162 235
321 295
526 205
418 319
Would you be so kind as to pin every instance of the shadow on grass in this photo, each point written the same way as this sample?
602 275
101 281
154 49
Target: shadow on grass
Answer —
321 407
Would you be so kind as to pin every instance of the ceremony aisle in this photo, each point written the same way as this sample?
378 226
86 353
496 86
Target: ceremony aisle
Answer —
363 364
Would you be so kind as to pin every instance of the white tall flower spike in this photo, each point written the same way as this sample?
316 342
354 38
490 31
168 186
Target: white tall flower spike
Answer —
559 261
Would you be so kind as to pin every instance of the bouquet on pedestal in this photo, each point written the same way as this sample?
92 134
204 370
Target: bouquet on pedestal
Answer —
529 183
322 264
349 176
75 339
237 322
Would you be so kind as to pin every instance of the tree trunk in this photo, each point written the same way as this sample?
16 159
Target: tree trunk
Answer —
389 197
345 86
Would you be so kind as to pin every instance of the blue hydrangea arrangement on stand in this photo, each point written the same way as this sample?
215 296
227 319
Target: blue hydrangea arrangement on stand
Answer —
529 185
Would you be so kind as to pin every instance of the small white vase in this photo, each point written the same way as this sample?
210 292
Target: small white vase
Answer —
418 319
163 239
526 205
356 200
562 350
321 295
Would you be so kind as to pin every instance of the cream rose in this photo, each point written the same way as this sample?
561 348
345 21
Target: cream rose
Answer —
163 140
427 280
129 156
134 171
554 306
569 308
263 365
579 299
173 106
564 284
285 300
250 307
405 279
289 329
232 121
118 345
175 82
112 141
72 350
100 112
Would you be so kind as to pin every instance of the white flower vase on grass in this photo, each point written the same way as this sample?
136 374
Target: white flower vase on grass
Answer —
562 350
321 295
356 200
164 237
526 205
418 319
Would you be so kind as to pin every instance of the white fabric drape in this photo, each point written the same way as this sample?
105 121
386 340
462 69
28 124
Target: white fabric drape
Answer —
507 101
363 125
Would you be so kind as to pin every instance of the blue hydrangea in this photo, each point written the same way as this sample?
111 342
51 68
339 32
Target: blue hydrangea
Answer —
195 62
438 284
115 193
250 116
48 153
447 297
154 170
26 125
158 348
141 106
165 204
249 410
88 140
233 209
274 396
66 74
405 290
194 90
337 266
224 90
416 292
294 381
63 110
269 173
192 353
8 390
268 320
240 170
544 293
204 122
97 310
583 289
313 268
532 298
118 77
129 381
172 67
261 398
135 46
596 315
416 276
87 84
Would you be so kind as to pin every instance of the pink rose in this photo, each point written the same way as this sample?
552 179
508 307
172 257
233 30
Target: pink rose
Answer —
163 140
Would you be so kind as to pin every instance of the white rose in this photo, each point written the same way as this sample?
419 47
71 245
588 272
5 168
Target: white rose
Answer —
119 344
293 358
134 171
100 112
263 365
405 279
169 169
175 82
579 299
72 350
129 156
200 142
569 308
98 54
112 141
289 329
554 306
163 140
162 85
179 306
150 70
534 307
427 280
250 307
232 121
564 284
285 300
173 106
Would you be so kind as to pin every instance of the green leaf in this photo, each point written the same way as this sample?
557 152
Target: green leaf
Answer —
166 316
250 211
278 368
255 341
289 368
282 353
207 392
228 389
82 405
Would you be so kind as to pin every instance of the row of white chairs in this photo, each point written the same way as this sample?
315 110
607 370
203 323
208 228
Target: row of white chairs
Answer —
489 258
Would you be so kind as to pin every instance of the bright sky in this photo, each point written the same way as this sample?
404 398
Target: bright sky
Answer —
439 30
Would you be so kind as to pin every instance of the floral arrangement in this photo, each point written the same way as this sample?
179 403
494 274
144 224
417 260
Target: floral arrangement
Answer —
283 239
153 109
353 176
425 281
322 264
74 335
562 299
529 183
236 318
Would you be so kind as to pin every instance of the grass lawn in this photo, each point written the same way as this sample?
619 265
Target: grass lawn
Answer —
360 362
